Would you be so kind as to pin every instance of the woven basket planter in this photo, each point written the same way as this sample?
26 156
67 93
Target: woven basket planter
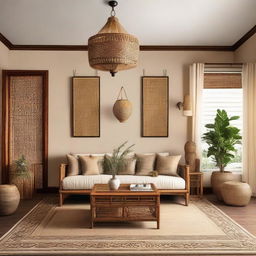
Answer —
122 108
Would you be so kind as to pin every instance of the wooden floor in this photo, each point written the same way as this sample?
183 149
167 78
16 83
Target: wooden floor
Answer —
6 222
245 216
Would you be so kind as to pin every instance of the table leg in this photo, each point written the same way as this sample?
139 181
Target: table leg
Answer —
158 212
201 186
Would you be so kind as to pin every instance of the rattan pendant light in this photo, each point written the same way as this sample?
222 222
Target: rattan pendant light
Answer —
113 49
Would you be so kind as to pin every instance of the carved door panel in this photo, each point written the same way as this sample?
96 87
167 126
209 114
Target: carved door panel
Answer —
25 97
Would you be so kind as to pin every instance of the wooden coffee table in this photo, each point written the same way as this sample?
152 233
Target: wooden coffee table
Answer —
124 205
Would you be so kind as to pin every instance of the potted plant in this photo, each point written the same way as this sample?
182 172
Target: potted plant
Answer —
221 138
115 163
22 177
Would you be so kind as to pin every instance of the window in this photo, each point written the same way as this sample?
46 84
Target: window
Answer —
226 94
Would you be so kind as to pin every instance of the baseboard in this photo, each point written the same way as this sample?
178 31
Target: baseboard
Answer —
51 190
208 190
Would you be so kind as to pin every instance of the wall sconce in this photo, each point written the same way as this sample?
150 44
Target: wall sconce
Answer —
186 105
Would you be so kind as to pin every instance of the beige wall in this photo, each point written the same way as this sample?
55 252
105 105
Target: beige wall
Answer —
247 51
61 65
4 60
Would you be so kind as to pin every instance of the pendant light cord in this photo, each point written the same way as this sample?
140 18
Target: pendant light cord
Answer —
113 12
113 4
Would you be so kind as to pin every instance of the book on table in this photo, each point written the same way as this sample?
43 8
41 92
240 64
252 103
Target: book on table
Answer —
141 187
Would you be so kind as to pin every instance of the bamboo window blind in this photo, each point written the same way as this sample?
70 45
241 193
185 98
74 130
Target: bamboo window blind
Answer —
222 80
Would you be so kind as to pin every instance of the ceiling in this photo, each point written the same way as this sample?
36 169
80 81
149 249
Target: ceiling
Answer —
154 22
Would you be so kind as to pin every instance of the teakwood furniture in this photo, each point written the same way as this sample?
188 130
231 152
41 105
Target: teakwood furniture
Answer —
196 184
183 172
124 205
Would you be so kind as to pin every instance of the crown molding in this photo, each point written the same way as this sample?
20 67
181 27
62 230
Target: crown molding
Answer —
244 38
5 41
184 48
233 47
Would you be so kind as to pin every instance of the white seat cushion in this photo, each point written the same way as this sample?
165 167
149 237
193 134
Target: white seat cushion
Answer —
87 181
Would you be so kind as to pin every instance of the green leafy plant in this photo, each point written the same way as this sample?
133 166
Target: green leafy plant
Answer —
116 162
21 168
222 138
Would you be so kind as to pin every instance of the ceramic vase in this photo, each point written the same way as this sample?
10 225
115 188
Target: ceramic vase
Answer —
114 183
9 199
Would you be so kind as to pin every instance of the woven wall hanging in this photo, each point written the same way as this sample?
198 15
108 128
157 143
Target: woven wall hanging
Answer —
122 108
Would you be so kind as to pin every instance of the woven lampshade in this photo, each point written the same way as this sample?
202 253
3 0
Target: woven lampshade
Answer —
187 107
113 49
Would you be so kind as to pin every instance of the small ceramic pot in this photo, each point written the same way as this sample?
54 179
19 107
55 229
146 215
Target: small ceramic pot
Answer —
114 183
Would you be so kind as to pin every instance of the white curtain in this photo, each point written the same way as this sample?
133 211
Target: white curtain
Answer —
196 85
249 130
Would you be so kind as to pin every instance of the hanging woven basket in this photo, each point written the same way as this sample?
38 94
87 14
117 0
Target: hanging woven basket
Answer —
122 108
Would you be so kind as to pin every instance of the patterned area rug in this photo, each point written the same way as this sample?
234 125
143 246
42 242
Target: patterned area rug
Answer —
199 229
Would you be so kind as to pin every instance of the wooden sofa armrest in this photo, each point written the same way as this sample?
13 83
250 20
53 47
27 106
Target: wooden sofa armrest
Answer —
184 173
63 168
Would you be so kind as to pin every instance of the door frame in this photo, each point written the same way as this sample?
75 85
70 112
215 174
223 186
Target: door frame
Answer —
6 74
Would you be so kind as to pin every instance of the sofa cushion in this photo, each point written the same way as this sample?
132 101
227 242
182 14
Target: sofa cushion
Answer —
129 167
167 165
73 166
90 165
100 162
87 181
145 164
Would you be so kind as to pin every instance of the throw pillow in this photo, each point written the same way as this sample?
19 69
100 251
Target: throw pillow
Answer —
90 165
145 164
167 165
100 162
129 167
73 166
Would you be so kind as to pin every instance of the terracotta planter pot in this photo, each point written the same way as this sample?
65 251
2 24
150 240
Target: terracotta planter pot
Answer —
217 179
9 199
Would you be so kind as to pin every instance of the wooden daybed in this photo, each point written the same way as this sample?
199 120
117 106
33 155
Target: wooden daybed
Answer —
183 172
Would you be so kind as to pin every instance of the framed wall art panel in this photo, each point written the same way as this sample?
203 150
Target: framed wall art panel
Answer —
155 106
86 106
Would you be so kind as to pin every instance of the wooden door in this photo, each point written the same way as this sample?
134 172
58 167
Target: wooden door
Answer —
25 122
